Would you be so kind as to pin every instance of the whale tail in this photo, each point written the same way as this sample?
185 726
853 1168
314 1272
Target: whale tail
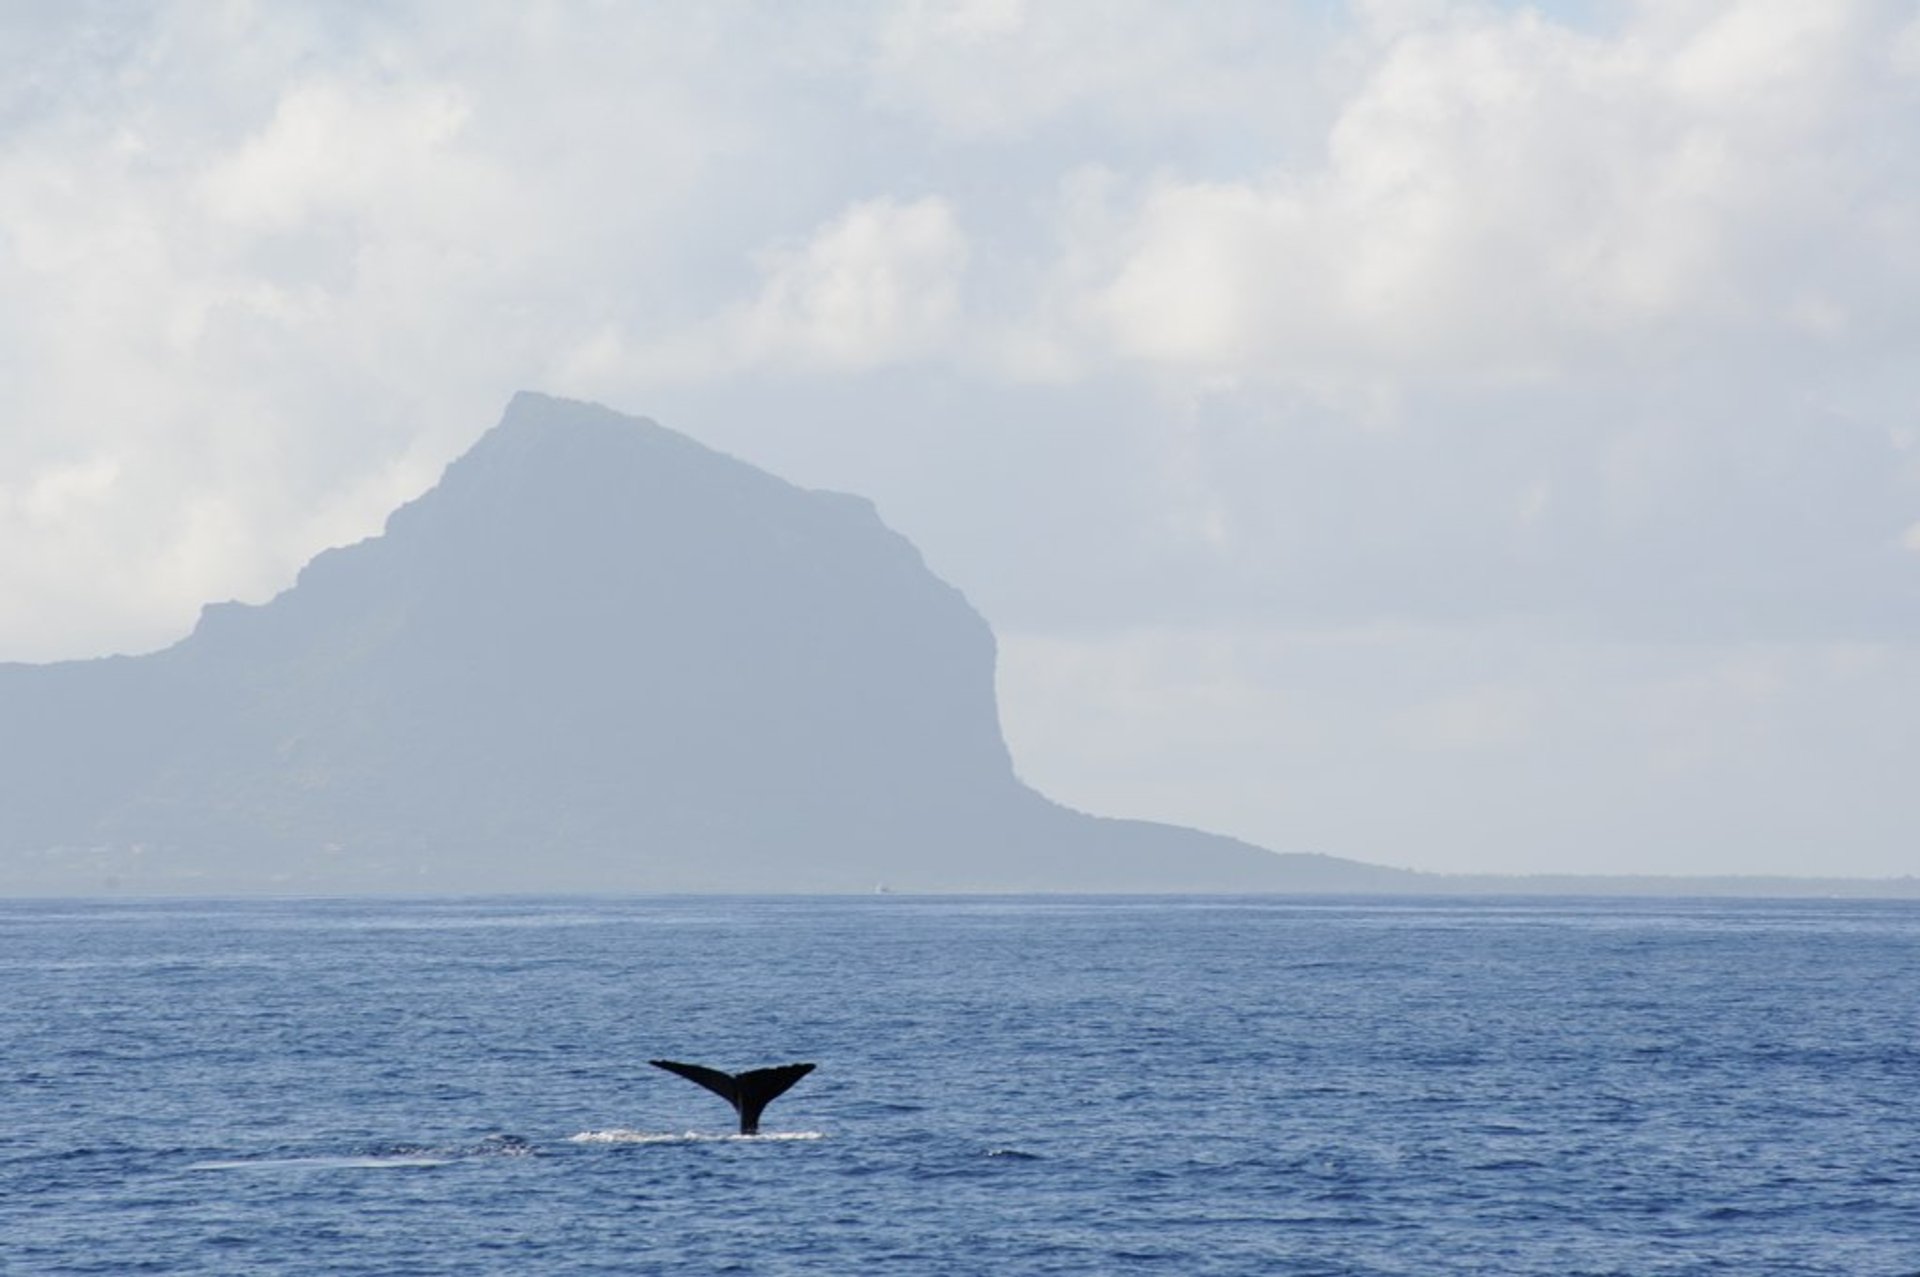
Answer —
748 1092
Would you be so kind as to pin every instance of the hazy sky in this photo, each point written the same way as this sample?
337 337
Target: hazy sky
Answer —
1464 436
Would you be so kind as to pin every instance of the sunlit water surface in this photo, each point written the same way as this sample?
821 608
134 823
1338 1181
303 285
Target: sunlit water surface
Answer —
1004 1086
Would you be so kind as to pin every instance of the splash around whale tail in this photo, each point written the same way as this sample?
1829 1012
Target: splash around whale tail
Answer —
748 1092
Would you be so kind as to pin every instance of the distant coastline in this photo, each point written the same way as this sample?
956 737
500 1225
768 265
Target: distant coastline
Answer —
1725 886
1413 886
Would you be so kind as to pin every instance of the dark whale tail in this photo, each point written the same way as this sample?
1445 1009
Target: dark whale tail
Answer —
748 1092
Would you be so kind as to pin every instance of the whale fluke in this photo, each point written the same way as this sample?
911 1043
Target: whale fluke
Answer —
748 1092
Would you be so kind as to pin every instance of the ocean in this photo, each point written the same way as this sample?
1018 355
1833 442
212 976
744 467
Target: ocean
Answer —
1004 1085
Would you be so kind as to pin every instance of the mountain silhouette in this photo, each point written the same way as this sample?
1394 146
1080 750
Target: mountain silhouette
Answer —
596 656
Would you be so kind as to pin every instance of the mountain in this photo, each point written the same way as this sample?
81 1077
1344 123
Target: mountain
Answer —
597 656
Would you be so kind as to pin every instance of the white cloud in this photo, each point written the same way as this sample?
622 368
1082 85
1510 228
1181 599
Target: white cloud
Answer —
1750 56
73 491
995 70
878 284
1503 195
331 149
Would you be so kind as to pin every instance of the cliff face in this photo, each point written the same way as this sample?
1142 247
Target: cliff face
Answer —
596 656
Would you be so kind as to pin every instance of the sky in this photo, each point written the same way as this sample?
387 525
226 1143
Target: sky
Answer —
1465 436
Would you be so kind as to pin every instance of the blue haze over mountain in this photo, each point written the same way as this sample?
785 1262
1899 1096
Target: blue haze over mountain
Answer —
597 656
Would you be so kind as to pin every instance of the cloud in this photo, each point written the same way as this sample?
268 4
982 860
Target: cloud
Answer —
180 305
879 284
1503 196
994 71
332 150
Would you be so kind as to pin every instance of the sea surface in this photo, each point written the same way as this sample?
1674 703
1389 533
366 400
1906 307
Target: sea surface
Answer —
1026 1085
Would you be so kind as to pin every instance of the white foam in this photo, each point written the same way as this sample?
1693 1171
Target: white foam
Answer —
620 1136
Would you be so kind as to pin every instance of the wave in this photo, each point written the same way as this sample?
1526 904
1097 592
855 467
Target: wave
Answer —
620 1136
380 1157
322 1163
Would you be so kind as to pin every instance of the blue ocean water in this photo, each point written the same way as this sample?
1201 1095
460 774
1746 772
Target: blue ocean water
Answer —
1005 1086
